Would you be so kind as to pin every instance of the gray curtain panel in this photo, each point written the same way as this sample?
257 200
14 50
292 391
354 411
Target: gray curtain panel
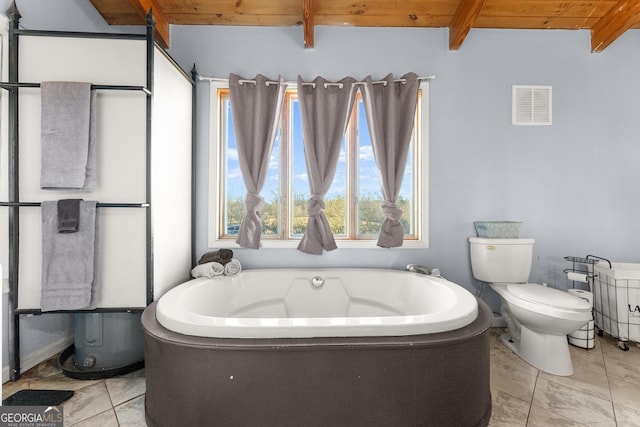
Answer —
390 110
256 109
325 108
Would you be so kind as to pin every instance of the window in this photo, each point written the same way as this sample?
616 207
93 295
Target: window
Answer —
353 201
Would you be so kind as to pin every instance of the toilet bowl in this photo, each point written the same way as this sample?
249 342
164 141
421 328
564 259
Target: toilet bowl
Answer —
538 321
538 318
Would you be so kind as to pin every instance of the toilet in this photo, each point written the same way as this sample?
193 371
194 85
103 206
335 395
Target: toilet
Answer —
538 318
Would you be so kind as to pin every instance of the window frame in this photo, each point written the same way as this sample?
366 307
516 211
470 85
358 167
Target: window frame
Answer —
214 220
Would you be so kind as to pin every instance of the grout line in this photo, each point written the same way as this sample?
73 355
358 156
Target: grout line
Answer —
535 386
606 374
601 341
129 400
109 394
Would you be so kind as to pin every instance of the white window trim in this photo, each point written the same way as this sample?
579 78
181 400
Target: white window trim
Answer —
214 166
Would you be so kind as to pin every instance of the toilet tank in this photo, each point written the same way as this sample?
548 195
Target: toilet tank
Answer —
501 260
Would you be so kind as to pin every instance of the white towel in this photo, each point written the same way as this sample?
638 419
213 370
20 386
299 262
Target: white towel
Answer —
232 268
209 269
70 276
68 136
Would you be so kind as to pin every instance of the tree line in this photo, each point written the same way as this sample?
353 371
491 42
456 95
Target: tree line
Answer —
369 214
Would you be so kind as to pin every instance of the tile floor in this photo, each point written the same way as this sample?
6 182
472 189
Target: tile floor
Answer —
112 402
604 391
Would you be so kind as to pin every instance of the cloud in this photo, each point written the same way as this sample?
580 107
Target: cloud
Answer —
273 162
234 173
339 181
366 152
232 154
342 158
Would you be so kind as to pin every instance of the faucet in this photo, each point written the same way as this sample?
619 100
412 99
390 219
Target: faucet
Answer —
421 269
416 268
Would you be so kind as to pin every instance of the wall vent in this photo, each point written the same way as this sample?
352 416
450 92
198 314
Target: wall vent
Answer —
531 105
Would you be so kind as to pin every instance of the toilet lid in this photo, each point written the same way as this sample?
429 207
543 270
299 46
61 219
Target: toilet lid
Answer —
534 292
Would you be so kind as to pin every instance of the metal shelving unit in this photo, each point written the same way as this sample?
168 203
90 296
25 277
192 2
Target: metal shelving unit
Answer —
14 204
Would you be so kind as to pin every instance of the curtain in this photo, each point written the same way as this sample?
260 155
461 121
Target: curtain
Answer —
390 109
255 106
325 108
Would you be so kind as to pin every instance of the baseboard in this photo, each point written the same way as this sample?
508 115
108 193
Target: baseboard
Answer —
30 360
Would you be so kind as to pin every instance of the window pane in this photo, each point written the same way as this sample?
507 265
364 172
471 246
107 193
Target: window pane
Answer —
335 198
369 188
233 185
369 192
405 198
270 212
299 180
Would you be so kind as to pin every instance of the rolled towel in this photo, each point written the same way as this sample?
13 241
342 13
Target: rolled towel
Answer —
232 268
221 256
209 269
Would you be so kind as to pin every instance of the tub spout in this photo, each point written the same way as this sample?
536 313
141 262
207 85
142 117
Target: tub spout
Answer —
416 268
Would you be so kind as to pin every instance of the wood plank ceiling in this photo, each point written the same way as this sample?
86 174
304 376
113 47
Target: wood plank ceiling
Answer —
606 19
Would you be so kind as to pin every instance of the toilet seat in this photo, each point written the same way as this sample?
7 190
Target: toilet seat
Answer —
535 293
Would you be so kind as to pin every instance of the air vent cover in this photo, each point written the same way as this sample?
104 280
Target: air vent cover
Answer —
531 105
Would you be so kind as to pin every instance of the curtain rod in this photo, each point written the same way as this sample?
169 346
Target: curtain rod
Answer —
272 82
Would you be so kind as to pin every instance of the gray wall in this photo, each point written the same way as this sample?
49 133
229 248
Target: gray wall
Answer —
573 184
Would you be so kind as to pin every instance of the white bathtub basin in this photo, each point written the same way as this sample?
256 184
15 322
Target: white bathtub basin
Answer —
283 303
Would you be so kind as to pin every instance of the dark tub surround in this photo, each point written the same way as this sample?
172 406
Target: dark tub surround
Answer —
439 379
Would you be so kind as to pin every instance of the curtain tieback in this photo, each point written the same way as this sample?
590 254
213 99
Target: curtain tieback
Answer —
254 201
315 205
392 211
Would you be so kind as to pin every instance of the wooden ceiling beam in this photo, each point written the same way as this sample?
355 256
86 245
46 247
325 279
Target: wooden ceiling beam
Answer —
619 19
308 12
142 8
466 14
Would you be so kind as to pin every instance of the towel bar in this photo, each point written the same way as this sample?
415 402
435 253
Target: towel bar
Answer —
11 85
100 205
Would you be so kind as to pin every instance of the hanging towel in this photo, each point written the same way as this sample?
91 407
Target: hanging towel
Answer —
209 269
68 136
68 215
222 256
69 260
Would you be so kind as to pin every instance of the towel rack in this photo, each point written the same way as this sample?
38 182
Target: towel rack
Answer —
13 85
99 205
14 205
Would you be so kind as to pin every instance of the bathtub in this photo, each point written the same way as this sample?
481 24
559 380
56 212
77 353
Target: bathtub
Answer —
318 347
305 303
